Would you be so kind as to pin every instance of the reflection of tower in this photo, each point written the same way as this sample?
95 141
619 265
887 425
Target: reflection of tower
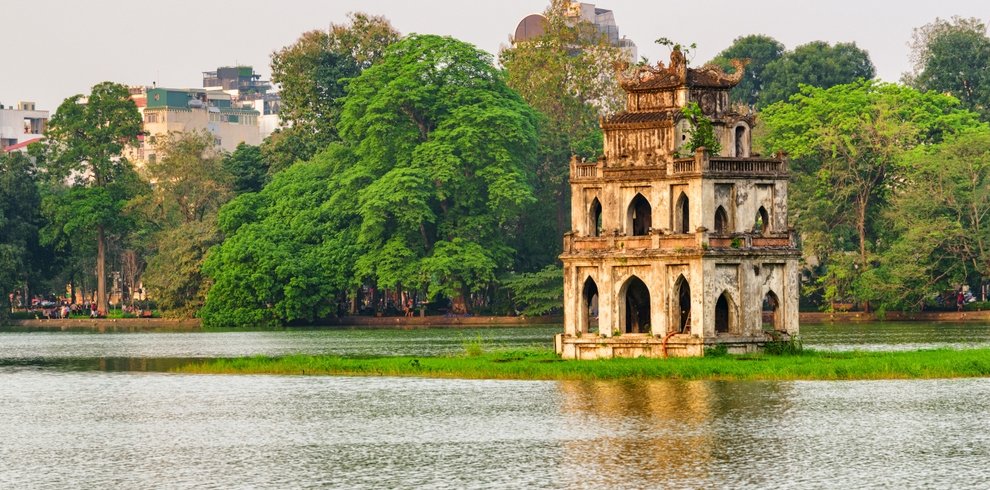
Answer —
668 433
653 431
682 251
532 26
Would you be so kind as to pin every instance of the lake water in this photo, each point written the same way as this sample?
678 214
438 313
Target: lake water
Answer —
65 422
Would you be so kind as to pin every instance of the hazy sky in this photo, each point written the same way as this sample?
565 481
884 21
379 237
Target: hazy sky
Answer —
54 49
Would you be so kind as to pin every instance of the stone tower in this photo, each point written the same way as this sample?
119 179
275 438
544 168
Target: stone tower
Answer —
671 253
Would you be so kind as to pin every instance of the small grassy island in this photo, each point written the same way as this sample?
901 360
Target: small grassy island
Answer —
543 364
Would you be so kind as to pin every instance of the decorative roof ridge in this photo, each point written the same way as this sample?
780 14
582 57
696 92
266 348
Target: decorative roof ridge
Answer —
677 74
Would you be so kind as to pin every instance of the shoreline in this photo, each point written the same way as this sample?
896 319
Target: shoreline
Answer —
543 364
193 324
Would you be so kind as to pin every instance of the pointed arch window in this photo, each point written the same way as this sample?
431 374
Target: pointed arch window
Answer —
721 221
682 214
595 218
762 225
640 216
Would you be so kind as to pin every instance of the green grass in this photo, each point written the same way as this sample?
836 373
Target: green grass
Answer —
544 364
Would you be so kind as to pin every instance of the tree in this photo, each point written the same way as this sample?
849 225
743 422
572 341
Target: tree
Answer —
760 50
191 183
702 132
537 293
845 143
817 64
953 57
248 168
941 222
190 178
288 250
21 255
443 152
86 138
567 74
312 74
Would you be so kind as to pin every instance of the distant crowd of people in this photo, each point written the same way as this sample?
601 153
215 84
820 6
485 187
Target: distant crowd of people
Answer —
52 310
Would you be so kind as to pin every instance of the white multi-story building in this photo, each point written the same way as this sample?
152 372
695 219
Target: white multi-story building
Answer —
247 90
21 126
166 110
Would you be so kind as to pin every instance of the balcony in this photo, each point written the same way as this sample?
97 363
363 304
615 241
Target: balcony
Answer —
677 242
707 165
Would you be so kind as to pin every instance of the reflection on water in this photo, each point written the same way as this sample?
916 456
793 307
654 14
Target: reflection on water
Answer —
96 429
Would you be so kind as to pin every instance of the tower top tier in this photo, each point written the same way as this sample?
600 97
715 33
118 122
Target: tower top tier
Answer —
666 87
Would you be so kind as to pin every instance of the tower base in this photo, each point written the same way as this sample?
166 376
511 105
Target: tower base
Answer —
593 346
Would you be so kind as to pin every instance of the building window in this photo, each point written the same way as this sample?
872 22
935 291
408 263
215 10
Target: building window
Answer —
151 117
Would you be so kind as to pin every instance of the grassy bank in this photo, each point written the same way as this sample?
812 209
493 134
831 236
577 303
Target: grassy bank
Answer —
544 364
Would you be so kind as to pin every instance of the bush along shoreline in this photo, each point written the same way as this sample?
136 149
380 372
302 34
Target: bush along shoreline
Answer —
544 364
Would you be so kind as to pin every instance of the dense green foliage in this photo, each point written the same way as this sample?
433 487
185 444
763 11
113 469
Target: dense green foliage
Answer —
21 254
191 183
247 166
288 250
953 57
939 227
818 64
847 144
544 364
760 50
424 192
538 293
312 74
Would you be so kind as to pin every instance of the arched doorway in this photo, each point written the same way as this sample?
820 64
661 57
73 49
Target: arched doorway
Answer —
762 225
637 303
589 306
721 221
640 216
595 218
682 306
682 215
771 307
741 141
723 314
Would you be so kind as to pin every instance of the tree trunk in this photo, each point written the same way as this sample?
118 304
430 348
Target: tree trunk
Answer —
459 302
101 277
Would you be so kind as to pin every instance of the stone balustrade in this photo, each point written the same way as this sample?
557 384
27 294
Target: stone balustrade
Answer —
678 242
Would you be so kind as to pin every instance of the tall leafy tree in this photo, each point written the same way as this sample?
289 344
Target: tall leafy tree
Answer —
87 137
312 73
422 193
760 50
953 56
818 64
442 152
845 143
288 250
941 223
191 183
21 254
567 74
